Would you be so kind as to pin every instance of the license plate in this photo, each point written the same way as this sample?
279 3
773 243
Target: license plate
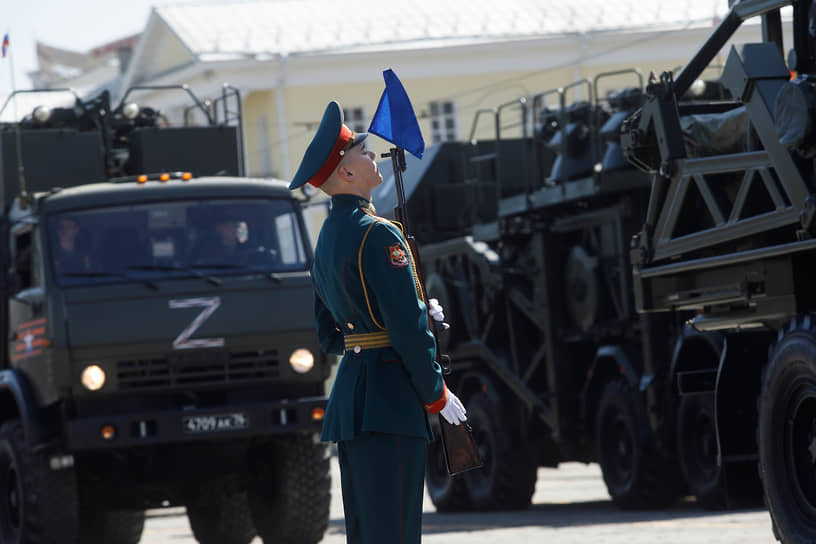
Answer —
215 423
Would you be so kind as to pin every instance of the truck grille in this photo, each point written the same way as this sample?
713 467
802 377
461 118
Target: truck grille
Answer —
198 368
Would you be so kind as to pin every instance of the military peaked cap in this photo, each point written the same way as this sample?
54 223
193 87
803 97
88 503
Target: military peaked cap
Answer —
328 146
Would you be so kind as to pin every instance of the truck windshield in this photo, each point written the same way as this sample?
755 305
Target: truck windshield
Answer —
175 239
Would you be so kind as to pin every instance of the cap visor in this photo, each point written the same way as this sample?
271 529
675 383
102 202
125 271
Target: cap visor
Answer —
360 137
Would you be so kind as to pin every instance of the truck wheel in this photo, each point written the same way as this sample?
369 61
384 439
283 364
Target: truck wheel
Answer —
37 504
635 475
507 479
111 527
697 450
220 517
448 494
787 435
290 490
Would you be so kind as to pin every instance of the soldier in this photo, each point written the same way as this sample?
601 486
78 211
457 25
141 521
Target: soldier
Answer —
367 307
68 256
223 246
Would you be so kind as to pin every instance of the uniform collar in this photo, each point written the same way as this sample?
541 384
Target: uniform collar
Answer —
351 201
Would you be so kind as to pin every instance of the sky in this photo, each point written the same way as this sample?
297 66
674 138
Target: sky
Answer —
78 25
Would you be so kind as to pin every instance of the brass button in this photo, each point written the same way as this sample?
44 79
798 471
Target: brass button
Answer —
350 325
357 349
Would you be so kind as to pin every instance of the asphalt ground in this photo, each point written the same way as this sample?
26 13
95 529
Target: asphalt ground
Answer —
570 505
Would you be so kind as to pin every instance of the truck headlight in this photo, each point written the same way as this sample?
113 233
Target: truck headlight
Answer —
93 377
301 360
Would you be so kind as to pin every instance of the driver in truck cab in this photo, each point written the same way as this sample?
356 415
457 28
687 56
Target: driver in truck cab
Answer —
69 256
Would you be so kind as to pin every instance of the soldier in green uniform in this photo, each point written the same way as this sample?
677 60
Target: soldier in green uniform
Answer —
368 308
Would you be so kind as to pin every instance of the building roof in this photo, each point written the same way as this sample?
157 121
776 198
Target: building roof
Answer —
57 65
258 27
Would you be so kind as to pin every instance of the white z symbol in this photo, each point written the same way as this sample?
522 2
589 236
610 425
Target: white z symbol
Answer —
210 304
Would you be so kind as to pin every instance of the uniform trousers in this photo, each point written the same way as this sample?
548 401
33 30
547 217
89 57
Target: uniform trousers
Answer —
382 476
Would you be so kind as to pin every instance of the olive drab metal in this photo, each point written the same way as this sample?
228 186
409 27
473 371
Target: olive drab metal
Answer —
627 277
728 238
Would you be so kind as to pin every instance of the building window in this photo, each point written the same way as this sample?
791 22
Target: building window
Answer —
444 127
355 119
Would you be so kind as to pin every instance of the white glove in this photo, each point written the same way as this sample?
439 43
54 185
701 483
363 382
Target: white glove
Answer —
453 412
437 313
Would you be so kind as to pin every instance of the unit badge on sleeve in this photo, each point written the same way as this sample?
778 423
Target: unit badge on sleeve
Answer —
397 256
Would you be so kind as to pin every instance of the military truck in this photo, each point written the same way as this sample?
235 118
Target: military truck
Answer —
525 242
157 332
728 236
525 239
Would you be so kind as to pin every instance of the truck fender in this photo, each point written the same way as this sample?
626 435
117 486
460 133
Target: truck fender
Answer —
694 351
739 379
609 362
17 401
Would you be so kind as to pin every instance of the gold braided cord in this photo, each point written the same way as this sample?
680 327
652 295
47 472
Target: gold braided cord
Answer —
398 225
416 276
410 256
362 278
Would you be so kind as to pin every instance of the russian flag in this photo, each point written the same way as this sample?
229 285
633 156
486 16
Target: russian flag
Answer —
5 44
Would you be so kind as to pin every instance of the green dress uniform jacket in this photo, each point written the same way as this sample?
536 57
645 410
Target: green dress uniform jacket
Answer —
365 283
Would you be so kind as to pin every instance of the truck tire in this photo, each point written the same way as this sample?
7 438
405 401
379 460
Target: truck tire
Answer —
787 434
697 450
98 526
290 490
507 479
37 505
635 475
219 516
448 493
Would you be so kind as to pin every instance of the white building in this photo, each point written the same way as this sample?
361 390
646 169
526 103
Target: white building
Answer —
288 58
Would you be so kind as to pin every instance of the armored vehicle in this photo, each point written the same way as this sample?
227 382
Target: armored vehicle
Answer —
526 241
157 333
728 236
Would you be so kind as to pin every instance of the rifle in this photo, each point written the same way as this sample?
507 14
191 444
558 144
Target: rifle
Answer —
458 445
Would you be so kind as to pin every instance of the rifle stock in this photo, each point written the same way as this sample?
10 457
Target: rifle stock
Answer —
459 447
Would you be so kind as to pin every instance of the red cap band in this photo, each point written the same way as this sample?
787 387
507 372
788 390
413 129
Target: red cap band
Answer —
334 157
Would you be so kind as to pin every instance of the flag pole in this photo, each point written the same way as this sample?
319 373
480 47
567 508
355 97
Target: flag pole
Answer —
24 198
395 122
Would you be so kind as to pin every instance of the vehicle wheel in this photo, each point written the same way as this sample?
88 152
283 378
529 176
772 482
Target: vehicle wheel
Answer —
290 491
635 475
787 434
448 493
218 516
697 450
507 479
112 527
37 504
